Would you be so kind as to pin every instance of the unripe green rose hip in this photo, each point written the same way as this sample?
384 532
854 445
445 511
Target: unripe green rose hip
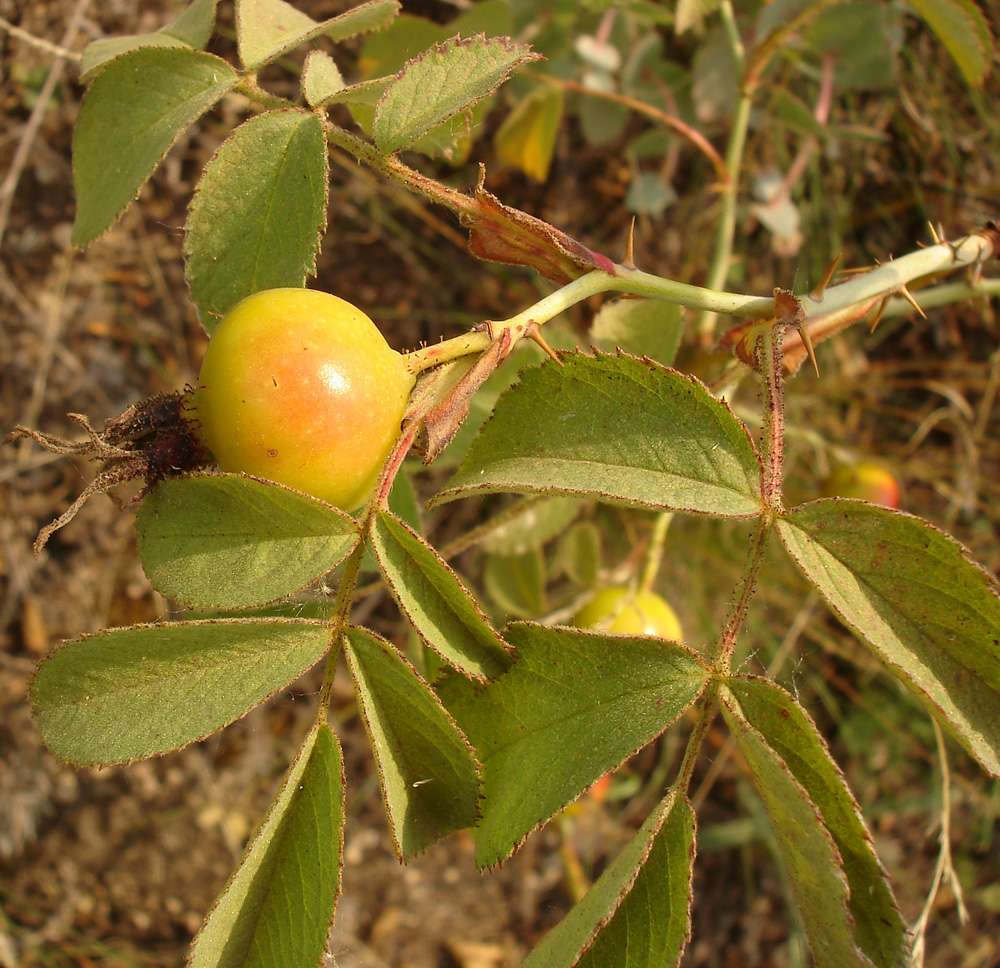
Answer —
613 609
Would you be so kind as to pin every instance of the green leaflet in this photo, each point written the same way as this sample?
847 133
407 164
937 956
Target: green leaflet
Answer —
431 596
440 83
430 778
266 29
878 926
808 850
127 693
135 109
258 213
619 429
572 707
278 906
916 597
228 541
638 913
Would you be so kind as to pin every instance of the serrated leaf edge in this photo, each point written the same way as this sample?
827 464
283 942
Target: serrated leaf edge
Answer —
493 865
442 47
394 826
468 673
448 494
730 703
290 777
309 270
176 138
260 480
898 671
169 625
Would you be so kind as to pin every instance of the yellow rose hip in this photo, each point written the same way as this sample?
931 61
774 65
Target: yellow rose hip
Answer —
613 609
300 387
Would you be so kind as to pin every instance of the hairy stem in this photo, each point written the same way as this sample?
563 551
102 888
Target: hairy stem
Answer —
744 593
706 713
271 102
773 438
341 615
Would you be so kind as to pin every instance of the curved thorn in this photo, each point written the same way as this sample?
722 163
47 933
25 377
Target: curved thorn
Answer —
533 333
817 292
629 260
908 296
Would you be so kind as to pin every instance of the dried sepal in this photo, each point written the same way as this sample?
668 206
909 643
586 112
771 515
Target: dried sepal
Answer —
153 439
442 421
499 233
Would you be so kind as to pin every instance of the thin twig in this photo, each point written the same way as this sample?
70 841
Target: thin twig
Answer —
63 52
943 870
10 183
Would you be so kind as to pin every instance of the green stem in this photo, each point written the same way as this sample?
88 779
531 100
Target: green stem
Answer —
449 349
706 714
744 593
769 360
718 271
880 282
638 283
654 553
732 32
341 615
272 102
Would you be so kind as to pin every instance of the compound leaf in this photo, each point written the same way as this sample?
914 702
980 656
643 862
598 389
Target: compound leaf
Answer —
620 429
441 83
135 109
230 541
572 707
266 29
814 865
879 929
916 597
278 907
436 603
638 913
430 779
127 693
258 213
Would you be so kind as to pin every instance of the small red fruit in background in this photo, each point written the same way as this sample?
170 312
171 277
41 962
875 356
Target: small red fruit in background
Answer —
300 387
616 609
865 480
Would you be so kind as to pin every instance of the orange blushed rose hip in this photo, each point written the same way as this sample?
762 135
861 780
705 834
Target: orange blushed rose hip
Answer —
300 387
864 480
